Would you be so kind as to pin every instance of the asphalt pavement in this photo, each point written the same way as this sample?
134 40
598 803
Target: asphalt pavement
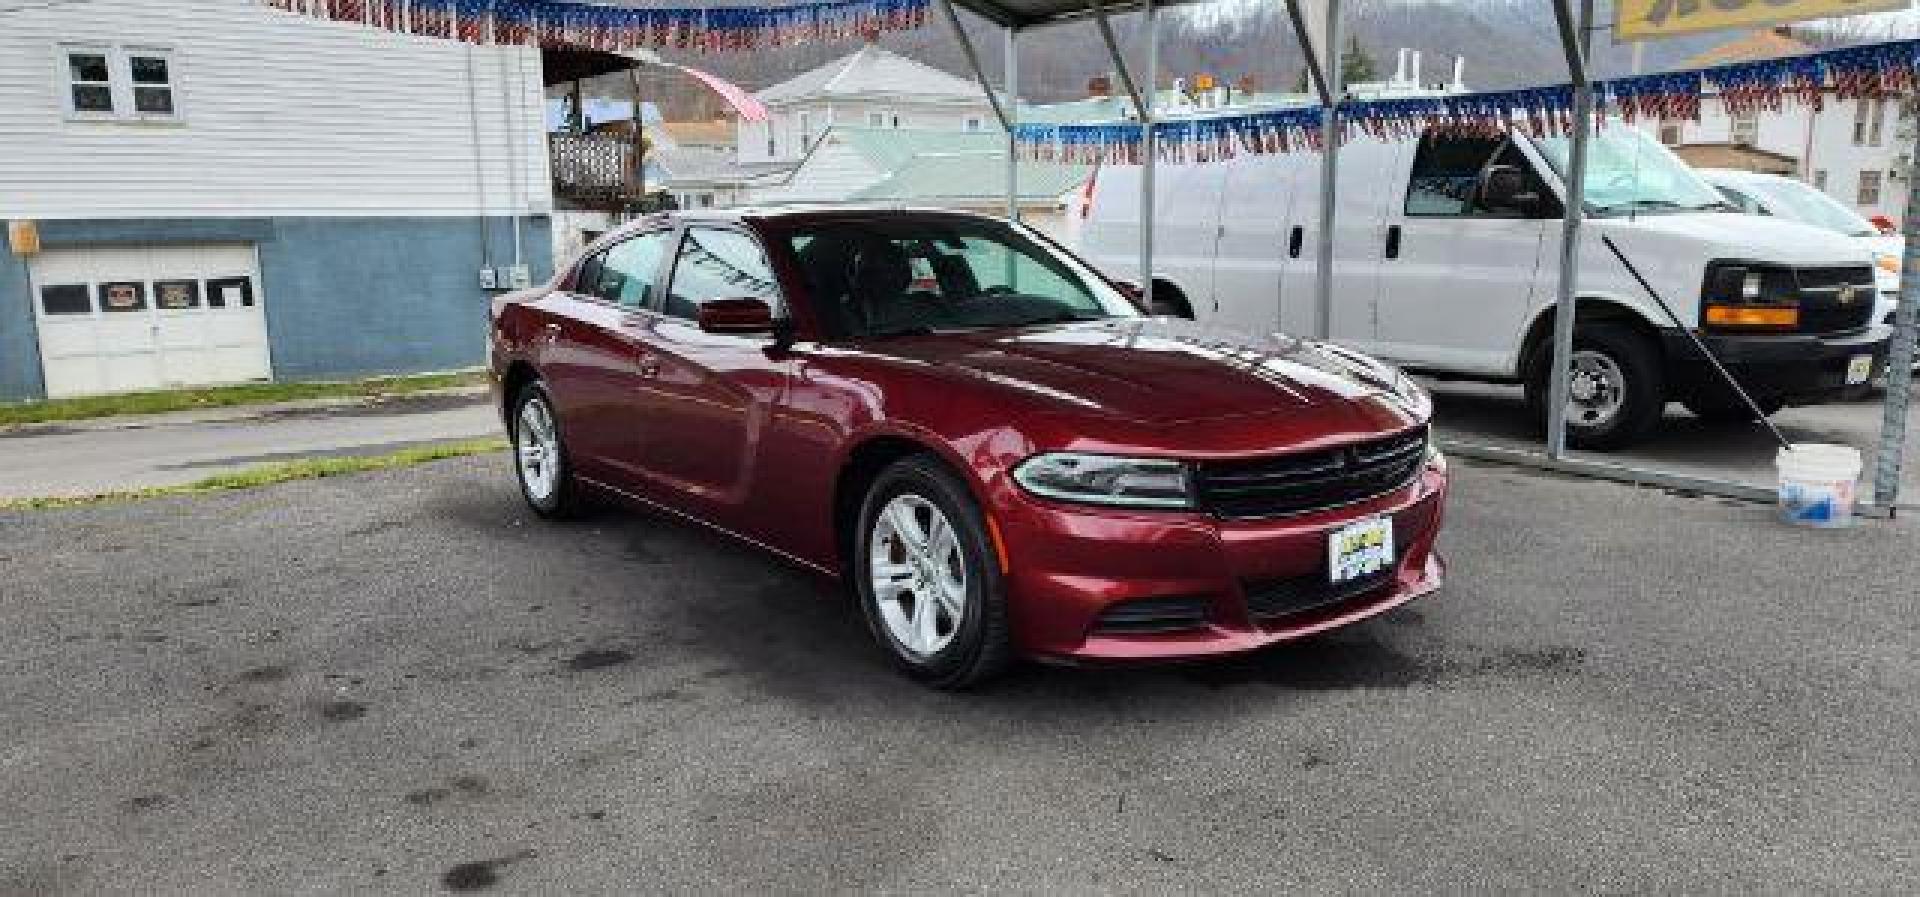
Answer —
90 457
401 682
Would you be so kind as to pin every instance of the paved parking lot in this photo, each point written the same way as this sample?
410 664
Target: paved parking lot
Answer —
399 681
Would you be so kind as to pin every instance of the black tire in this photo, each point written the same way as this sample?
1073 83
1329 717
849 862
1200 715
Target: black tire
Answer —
1643 394
980 647
1730 410
565 498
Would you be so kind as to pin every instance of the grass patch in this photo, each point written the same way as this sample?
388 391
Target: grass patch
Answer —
159 401
268 474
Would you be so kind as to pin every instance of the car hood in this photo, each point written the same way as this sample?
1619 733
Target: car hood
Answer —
1160 371
1730 235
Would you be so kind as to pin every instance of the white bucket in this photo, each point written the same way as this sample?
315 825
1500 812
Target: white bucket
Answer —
1817 482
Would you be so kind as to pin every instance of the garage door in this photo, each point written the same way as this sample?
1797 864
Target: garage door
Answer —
123 318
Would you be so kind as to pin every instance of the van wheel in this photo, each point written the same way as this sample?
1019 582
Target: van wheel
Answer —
1730 410
1615 397
928 579
1169 302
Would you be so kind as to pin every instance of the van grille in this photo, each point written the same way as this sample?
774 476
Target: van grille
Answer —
1309 481
1821 291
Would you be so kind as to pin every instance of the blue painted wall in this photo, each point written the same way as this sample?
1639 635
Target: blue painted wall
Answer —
19 342
343 296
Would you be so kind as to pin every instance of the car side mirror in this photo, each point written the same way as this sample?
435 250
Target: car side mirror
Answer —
1503 188
739 316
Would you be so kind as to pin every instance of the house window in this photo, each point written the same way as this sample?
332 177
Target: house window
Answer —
122 83
1860 122
876 119
152 76
1879 122
1670 133
90 78
1820 179
893 119
1869 194
773 147
1746 129
974 123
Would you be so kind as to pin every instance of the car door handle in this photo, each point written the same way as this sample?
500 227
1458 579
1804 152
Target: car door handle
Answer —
551 332
1393 241
1293 241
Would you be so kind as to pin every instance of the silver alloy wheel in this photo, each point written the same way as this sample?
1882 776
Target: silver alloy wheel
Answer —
919 574
1596 389
538 447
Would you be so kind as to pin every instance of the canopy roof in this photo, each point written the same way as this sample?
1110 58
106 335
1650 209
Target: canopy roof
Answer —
1034 13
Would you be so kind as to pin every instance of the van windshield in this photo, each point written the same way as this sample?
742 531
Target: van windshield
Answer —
1628 172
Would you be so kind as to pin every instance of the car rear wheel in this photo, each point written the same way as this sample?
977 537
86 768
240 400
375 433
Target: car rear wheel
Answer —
1615 396
928 580
540 455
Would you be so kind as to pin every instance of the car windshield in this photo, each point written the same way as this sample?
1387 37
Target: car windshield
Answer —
1796 201
902 275
1628 172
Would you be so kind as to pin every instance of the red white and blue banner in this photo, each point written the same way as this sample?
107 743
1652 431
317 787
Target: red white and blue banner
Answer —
594 26
1871 70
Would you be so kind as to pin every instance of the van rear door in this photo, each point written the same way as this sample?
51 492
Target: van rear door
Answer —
1459 278
1255 221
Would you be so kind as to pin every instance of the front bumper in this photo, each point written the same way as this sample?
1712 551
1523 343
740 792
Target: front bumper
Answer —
1797 369
1069 565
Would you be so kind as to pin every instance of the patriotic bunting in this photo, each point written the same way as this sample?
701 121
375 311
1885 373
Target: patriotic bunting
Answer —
1873 70
555 23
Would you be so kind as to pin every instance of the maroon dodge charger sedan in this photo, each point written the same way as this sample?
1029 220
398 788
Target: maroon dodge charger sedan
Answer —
977 430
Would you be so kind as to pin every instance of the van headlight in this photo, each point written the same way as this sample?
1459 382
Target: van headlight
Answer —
1106 480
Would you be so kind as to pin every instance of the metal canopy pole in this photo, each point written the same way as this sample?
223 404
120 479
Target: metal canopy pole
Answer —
973 60
1012 117
1572 44
1334 78
1149 156
1893 422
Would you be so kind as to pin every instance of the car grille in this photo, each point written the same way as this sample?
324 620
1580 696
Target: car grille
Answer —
1309 481
1821 292
1149 615
1286 597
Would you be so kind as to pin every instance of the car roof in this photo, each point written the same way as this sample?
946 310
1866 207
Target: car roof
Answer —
790 214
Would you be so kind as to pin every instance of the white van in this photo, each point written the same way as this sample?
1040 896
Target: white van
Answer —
1446 262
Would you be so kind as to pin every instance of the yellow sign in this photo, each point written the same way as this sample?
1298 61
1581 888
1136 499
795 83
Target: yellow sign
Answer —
1652 19
23 237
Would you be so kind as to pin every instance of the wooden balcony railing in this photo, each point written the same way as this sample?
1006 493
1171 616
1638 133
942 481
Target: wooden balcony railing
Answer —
594 169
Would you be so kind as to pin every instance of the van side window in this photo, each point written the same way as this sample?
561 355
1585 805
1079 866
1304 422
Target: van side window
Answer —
1446 174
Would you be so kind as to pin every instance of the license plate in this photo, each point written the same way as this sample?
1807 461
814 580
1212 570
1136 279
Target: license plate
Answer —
1859 368
1360 549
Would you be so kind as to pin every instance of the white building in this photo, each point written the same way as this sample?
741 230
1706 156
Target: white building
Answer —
869 88
1858 151
204 191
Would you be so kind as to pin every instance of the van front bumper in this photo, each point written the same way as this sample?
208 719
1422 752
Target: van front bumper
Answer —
1081 580
1796 369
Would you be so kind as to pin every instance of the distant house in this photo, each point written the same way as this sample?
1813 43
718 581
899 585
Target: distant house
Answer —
1858 151
956 169
214 191
869 88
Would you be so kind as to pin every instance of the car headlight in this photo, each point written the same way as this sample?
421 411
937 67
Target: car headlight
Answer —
1106 480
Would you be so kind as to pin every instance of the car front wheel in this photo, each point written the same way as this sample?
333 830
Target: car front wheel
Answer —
928 580
1615 396
540 455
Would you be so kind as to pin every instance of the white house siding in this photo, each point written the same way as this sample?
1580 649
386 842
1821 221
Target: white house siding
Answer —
281 115
789 145
832 173
1823 141
370 176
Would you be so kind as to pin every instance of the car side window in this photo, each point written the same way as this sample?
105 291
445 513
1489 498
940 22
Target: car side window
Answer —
1446 174
716 263
588 274
628 270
